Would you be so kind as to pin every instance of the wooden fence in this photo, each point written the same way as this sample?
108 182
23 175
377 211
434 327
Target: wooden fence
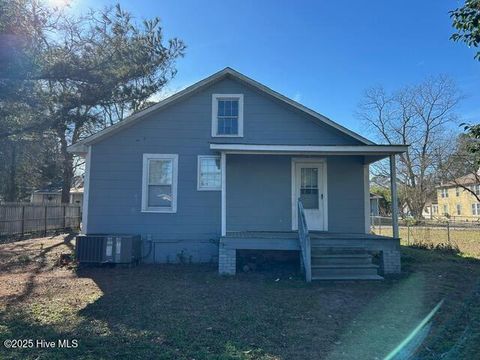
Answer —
24 218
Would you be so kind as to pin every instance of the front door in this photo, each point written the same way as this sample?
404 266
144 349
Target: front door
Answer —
309 189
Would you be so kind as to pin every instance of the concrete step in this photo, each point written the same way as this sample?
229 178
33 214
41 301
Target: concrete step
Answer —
344 270
341 259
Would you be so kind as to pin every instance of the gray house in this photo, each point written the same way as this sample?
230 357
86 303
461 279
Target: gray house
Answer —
229 164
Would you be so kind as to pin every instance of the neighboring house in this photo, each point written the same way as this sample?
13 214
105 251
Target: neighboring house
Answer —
76 196
456 202
375 204
430 210
46 196
220 166
54 196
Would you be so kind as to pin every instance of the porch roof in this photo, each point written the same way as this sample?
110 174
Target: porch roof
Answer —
372 153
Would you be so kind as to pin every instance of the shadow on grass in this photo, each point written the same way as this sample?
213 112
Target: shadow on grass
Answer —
188 311
191 309
40 262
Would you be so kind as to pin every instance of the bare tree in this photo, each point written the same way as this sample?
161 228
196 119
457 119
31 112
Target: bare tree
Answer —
461 168
420 116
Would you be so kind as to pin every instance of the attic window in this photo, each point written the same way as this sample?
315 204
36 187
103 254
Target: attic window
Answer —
227 115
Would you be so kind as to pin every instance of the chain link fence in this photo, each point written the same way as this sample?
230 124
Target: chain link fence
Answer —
431 233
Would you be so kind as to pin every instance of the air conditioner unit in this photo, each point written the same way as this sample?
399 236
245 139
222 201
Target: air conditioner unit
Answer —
101 248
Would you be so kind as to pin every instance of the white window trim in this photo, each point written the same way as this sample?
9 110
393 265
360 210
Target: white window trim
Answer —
475 209
146 159
215 98
444 193
205 188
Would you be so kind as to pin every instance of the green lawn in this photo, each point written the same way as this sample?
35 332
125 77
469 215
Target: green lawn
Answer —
189 312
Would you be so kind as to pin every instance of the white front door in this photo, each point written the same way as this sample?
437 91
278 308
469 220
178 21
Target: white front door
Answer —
309 189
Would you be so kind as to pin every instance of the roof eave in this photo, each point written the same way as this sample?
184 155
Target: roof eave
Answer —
78 148
384 150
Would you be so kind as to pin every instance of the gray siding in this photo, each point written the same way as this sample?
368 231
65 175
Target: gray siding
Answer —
259 193
270 121
346 197
184 128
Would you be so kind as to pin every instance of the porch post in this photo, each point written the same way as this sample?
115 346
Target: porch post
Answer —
366 190
223 166
393 188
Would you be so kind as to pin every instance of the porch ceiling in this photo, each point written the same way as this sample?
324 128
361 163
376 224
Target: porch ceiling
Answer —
371 153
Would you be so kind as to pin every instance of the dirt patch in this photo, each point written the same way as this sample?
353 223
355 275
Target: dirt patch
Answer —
188 311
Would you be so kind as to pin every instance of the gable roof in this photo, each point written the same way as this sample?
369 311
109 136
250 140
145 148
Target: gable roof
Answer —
80 146
469 179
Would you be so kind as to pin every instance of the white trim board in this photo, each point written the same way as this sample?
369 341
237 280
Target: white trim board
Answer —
80 146
146 159
301 160
223 166
314 149
86 190
366 190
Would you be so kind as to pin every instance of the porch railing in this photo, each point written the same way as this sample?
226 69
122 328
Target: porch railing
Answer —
304 238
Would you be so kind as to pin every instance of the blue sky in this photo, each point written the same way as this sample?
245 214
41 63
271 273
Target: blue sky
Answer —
323 54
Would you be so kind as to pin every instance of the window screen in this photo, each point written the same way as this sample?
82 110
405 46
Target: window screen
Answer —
160 176
309 188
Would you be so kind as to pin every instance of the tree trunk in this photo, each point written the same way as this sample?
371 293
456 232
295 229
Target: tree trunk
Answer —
67 166
12 175
417 209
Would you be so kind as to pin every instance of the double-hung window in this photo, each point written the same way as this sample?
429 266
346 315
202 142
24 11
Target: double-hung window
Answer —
159 187
209 173
444 193
227 115
476 209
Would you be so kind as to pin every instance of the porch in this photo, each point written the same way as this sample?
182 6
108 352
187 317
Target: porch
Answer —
311 199
339 255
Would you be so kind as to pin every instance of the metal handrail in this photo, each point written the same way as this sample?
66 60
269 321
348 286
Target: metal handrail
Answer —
304 239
